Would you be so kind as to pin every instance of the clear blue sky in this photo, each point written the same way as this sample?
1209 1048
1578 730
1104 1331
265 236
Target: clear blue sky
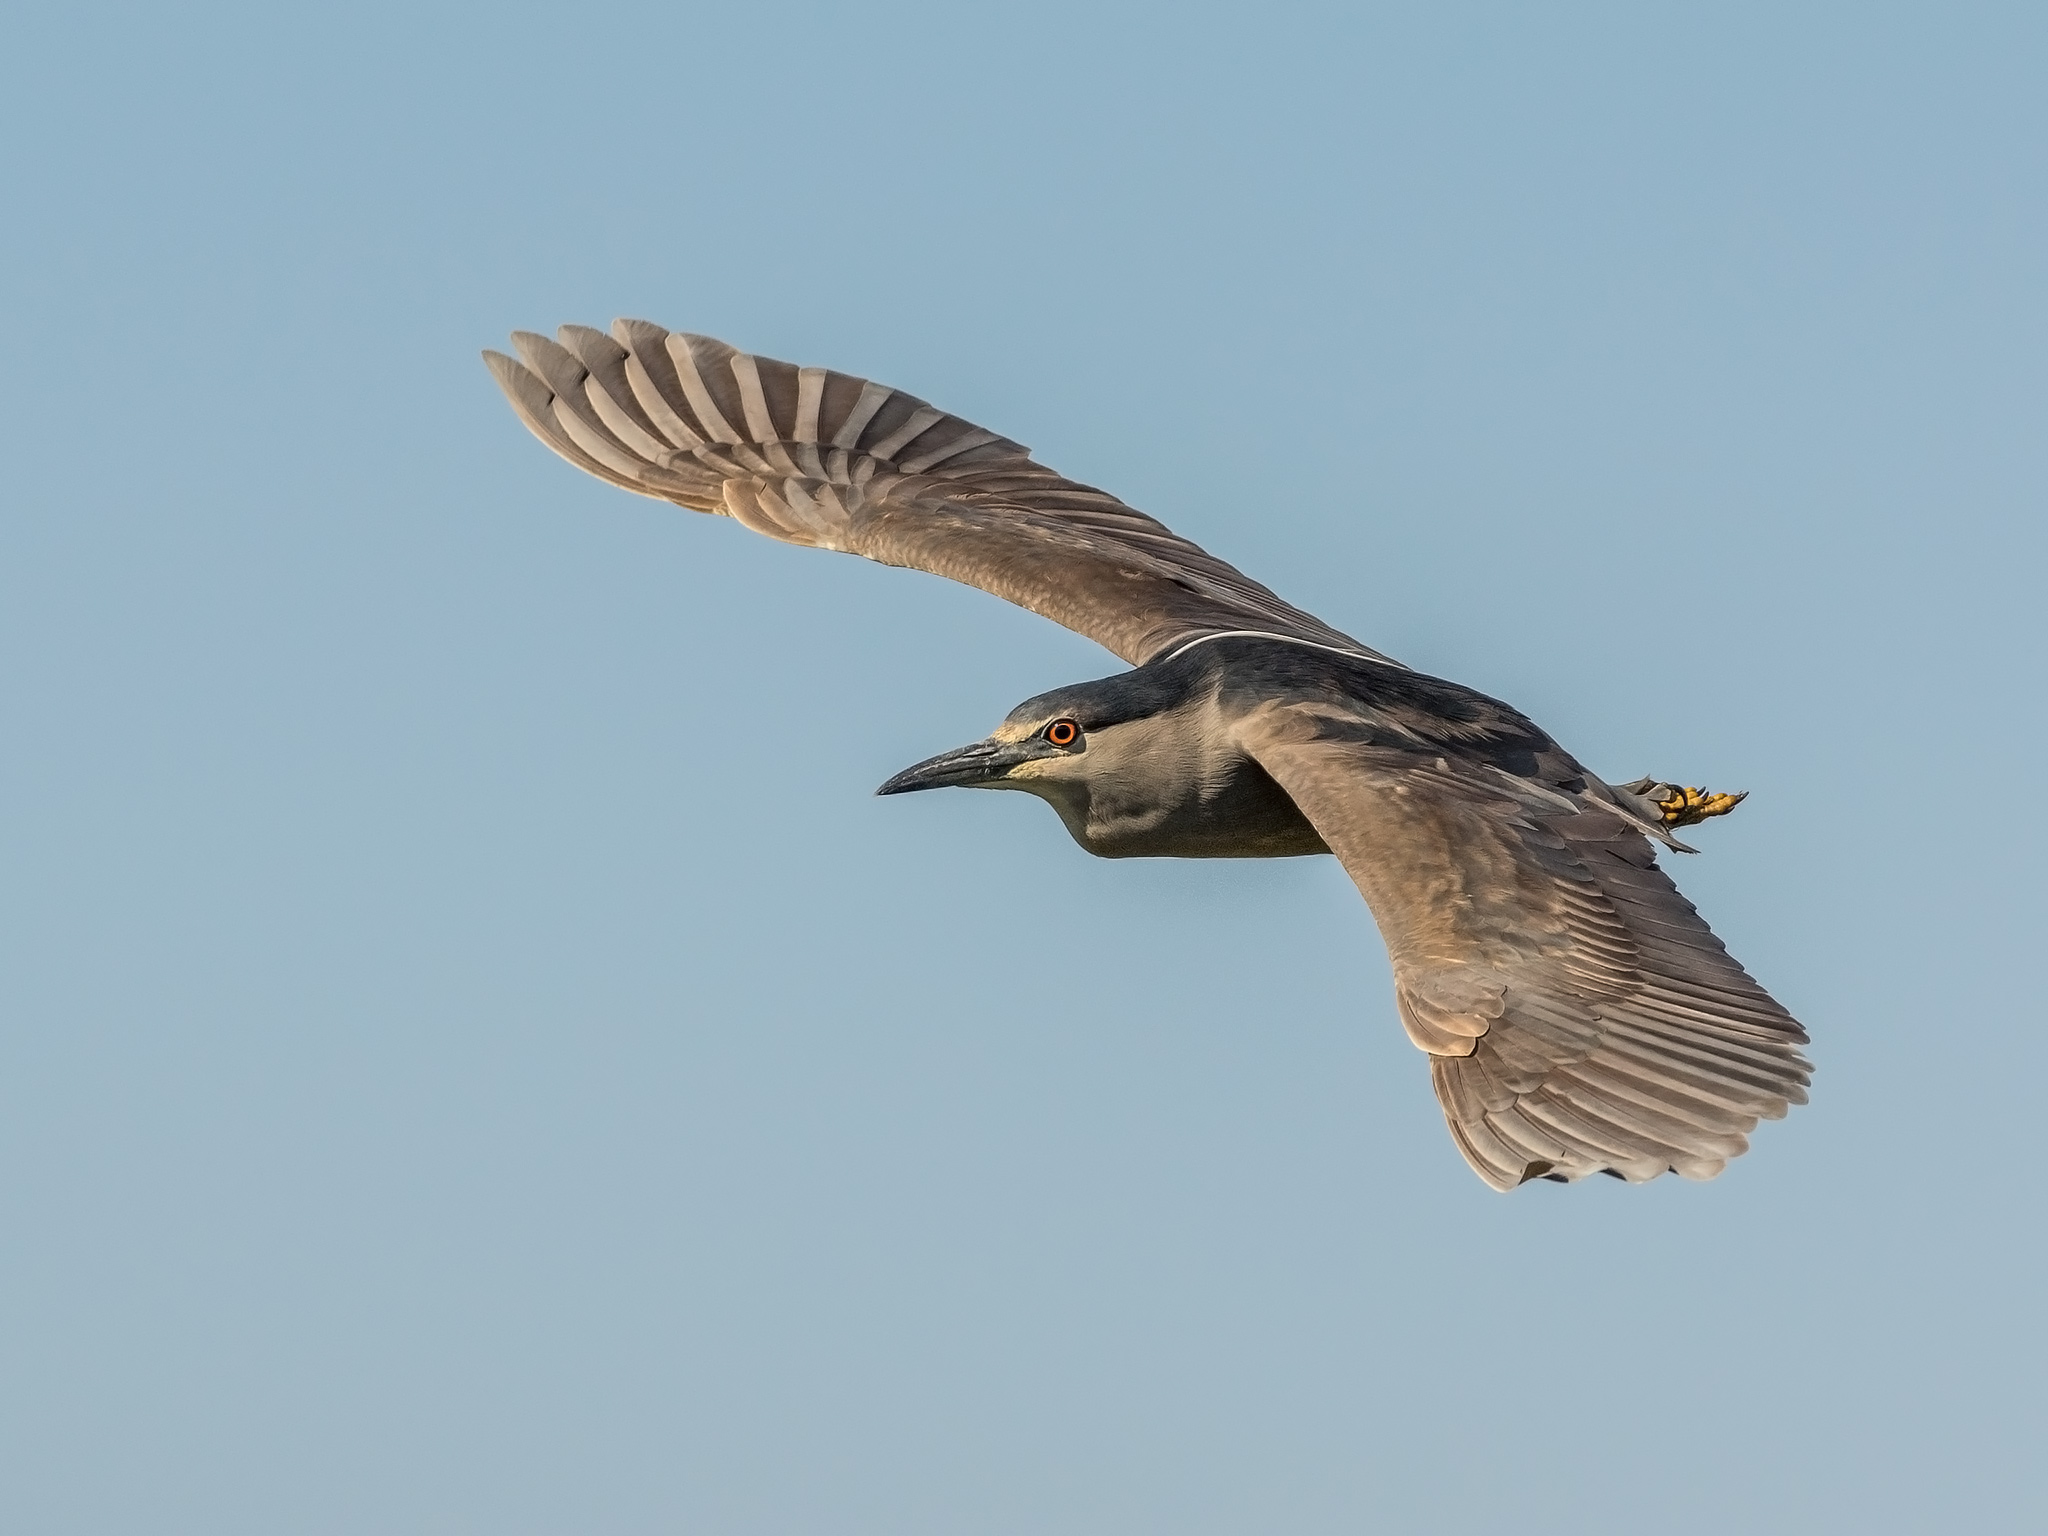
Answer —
474 1056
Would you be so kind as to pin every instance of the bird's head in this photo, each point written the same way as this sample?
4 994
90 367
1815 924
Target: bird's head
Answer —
1040 747
1145 764
1118 758
1057 744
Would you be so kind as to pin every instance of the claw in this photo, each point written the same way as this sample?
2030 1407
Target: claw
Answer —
1684 807
1679 806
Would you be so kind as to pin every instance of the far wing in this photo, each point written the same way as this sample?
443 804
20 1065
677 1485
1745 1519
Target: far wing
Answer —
1578 1014
814 457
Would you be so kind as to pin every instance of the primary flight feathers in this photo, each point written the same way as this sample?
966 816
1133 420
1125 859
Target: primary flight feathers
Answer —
814 457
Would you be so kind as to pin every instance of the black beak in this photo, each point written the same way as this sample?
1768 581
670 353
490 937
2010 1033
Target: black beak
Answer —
984 764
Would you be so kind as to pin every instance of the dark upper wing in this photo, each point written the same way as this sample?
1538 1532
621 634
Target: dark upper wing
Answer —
1578 1013
820 458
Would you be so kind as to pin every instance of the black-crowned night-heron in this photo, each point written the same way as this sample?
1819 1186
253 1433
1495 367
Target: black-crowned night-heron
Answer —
1578 1015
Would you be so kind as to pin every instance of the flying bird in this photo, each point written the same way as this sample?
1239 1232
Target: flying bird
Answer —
1578 1015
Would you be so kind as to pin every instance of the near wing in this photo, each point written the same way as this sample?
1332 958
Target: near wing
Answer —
1578 1014
813 457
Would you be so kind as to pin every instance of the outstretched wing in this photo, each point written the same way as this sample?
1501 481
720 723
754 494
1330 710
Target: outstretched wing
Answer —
813 457
1578 1014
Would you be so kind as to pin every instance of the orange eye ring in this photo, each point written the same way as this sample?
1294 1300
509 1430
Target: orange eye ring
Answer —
1063 733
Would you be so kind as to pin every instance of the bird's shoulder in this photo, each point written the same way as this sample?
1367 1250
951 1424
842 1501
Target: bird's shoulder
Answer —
1305 696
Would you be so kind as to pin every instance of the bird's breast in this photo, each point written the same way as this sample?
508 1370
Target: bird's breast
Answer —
1238 813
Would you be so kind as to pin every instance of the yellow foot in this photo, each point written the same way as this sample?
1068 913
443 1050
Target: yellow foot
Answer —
1683 807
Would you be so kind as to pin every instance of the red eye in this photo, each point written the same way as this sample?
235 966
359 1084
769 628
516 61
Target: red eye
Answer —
1063 733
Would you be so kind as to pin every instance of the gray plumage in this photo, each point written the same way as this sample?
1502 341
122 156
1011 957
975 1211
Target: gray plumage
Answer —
1578 1014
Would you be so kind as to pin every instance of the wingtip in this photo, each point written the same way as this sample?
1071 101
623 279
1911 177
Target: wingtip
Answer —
535 350
522 386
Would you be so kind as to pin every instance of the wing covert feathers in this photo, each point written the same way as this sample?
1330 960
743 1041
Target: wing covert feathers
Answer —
1578 1013
820 458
